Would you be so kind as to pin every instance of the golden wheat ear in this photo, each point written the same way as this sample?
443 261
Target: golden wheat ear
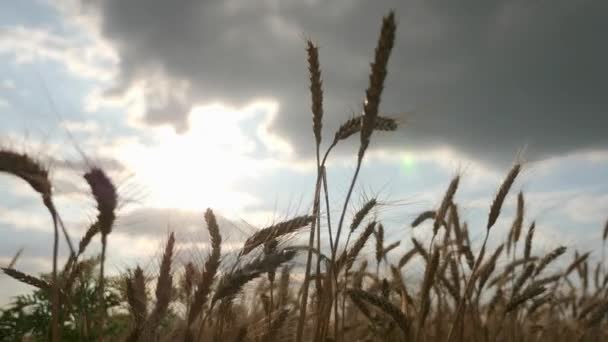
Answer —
316 89
188 279
360 296
26 168
138 302
376 80
519 218
207 278
347 258
163 293
275 231
427 283
353 125
212 264
379 235
445 204
425 215
529 238
550 257
530 293
576 263
421 250
485 270
27 279
164 283
502 194
106 197
389 248
232 283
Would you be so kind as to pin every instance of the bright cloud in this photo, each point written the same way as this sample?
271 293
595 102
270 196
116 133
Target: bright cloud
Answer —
81 58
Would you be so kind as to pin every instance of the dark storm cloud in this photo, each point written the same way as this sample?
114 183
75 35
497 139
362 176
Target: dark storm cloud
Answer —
484 77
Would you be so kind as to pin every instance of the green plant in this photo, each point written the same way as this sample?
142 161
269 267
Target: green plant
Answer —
29 316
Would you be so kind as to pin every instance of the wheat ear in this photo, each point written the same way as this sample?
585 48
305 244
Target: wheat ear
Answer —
212 264
501 195
277 230
26 168
376 80
550 257
138 302
164 289
231 283
385 306
445 204
27 279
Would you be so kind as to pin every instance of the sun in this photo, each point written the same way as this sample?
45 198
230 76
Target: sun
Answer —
199 168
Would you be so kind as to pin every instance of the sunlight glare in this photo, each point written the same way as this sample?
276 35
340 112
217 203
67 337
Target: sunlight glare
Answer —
200 167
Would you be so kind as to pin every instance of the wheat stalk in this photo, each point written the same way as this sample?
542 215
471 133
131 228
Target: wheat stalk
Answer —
420 249
315 89
389 248
426 215
550 257
164 288
212 264
515 231
362 213
138 304
575 264
486 269
502 193
353 126
104 193
445 204
492 217
406 257
359 296
529 237
379 235
26 168
376 80
27 279
348 257
529 293
231 283
525 275
277 230
427 283
500 279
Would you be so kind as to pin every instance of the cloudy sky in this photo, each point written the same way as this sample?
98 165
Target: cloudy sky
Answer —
192 104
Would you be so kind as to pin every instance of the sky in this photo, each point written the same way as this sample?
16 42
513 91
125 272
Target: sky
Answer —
193 104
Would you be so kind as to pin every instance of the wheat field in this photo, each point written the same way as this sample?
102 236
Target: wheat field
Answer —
468 292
